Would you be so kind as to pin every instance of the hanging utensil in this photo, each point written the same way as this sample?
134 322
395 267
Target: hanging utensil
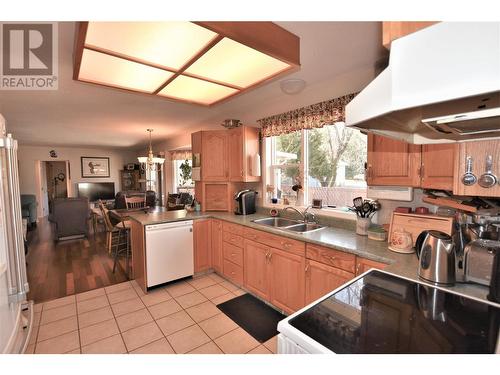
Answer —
367 208
488 179
358 205
468 178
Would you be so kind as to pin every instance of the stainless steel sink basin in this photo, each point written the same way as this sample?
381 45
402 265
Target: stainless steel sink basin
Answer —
277 222
287 224
304 227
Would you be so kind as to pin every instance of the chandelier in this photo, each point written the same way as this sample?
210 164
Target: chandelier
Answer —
150 163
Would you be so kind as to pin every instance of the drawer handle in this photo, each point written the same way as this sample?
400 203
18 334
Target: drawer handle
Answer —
232 273
286 245
252 236
331 257
307 267
233 254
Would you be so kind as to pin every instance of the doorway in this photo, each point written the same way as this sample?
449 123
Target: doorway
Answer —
53 182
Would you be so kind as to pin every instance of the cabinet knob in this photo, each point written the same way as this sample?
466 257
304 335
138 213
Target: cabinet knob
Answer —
307 267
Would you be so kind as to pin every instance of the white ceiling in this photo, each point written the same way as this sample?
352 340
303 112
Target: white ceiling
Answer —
336 58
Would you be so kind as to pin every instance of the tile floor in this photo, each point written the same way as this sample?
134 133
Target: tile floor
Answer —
179 318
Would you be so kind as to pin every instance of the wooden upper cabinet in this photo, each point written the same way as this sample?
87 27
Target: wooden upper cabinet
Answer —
394 30
322 279
392 162
216 242
202 245
243 144
478 151
438 163
214 157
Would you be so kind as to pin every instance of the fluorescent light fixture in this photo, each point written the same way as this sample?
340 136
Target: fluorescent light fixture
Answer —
236 64
108 70
196 90
485 113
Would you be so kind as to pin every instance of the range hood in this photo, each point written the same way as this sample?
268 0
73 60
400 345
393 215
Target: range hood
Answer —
442 85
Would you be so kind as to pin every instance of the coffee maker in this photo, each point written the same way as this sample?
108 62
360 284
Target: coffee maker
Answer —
245 202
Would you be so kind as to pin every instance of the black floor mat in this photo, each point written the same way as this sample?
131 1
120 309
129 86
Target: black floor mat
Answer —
253 315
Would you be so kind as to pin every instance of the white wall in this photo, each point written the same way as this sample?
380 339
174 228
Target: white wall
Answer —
28 155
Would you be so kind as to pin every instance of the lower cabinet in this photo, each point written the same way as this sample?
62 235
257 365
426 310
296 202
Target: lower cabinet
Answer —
363 265
216 242
322 279
202 245
256 270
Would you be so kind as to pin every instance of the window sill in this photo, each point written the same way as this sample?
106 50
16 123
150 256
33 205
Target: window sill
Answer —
330 212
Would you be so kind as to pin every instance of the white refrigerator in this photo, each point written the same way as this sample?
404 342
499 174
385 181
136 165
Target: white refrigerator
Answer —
16 313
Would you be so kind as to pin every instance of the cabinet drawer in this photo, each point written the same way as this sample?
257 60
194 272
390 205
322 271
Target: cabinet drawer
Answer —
335 258
233 272
233 239
278 242
233 228
233 253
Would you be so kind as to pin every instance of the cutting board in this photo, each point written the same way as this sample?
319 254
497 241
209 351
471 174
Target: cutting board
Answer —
416 223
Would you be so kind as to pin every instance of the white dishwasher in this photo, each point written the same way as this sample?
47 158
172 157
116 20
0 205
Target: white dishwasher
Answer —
169 252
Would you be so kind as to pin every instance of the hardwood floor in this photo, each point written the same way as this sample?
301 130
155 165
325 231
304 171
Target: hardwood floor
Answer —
58 269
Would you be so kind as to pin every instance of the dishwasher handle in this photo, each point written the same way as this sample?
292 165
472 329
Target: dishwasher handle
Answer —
176 224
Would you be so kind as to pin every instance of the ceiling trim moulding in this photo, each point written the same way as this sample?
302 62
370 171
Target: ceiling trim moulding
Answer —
213 61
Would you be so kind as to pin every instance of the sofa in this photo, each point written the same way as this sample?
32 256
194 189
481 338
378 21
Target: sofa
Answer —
71 217
28 209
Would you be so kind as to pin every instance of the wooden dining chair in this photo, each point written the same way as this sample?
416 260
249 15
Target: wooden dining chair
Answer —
136 201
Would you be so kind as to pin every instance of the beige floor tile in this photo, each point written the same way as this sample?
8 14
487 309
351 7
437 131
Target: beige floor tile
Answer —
126 307
36 319
229 286
175 322
216 278
155 297
60 344
99 331
110 345
223 298
137 288
236 342
208 348
117 287
122 295
188 339
191 299
179 288
272 344
134 319
90 294
57 328
57 313
203 311
92 304
37 307
140 336
59 302
164 308
34 335
76 351
261 349
160 346
30 349
218 325
213 291
202 282
239 292
94 316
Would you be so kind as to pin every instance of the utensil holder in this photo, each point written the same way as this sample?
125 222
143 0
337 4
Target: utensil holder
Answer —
362 225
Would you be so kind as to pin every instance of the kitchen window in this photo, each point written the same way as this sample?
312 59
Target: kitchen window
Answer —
331 157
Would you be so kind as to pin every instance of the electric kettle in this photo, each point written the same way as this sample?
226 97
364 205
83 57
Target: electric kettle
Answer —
436 254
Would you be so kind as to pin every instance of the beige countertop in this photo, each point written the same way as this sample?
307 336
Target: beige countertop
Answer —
340 239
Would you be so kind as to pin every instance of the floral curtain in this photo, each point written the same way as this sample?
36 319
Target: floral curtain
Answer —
313 116
180 154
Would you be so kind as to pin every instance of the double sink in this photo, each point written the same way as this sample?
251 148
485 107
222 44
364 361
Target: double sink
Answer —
288 224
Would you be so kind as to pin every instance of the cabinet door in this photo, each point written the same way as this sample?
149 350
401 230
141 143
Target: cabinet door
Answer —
201 242
322 279
287 280
438 161
216 196
235 154
217 245
256 268
363 265
392 162
214 156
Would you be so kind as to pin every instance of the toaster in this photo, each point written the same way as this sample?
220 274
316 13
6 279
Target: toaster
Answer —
478 261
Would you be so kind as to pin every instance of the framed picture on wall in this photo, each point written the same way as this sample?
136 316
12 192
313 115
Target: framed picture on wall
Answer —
95 166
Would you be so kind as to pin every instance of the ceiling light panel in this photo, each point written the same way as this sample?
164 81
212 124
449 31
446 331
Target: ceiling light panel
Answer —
113 71
196 90
168 44
236 64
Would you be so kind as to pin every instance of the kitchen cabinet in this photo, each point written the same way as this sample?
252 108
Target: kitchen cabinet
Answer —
321 279
216 242
438 164
214 156
232 253
216 196
394 30
330 257
243 144
202 245
363 265
478 151
256 270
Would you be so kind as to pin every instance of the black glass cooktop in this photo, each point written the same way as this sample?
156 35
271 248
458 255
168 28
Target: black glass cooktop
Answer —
382 313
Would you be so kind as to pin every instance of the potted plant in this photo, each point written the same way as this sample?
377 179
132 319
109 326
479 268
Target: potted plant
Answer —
185 169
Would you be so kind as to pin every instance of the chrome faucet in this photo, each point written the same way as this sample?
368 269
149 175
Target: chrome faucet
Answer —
304 214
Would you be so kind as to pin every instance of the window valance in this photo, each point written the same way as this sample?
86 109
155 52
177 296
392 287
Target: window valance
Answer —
310 117
180 154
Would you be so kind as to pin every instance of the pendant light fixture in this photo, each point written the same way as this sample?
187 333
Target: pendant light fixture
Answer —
150 163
